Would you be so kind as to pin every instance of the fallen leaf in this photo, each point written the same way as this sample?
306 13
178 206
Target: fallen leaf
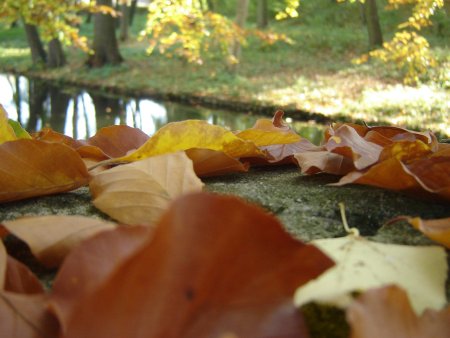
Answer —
176 136
386 312
118 140
49 135
51 238
20 279
346 141
312 162
267 132
6 131
26 316
436 229
215 265
214 163
137 193
90 264
362 264
32 168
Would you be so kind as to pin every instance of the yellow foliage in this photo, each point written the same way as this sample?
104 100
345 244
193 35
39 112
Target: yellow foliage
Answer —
6 131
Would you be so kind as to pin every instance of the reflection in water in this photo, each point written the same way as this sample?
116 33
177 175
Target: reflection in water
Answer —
79 114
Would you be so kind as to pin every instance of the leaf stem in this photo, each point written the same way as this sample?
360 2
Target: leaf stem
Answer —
350 231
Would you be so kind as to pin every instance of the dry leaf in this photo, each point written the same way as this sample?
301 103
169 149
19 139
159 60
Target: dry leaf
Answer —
436 229
32 168
51 136
139 192
214 266
20 279
90 264
386 312
214 163
118 140
189 134
347 142
26 316
361 264
51 238
312 162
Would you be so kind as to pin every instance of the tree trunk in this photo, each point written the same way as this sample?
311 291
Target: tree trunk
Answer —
124 21
56 57
132 12
262 14
38 54
106 50
211 5
59 102
37 95
373 24
241 17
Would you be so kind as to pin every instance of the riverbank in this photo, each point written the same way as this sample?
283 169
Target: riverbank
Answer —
312 79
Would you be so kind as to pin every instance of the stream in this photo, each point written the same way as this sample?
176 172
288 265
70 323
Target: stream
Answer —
79 114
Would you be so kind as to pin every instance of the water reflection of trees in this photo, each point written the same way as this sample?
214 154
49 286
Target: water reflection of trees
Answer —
79 114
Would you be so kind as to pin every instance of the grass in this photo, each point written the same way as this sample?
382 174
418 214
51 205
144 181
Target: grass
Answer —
315 74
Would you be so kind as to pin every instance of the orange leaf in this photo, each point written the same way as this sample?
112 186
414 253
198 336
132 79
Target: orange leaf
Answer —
436 229
214 266
52 136
51 238
213 163
386 312
26 316
32 168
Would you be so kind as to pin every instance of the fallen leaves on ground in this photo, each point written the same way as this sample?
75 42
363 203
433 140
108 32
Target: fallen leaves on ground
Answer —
30 168
362 264
386 312
139 192
214 265
51 238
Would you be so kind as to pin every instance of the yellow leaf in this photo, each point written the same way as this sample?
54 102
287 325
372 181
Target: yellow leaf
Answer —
139 192
6 131
265 138
189 134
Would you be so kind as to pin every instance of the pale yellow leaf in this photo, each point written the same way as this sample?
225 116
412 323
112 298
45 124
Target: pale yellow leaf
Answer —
6 131
51 238
361 264
137 193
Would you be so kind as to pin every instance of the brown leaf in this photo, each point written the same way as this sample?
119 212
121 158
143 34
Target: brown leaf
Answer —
51 238
118 140
312 162
433 174
139 192
90 264
26 316
215 266
386 312
346 141
214 163
20 279
32 168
